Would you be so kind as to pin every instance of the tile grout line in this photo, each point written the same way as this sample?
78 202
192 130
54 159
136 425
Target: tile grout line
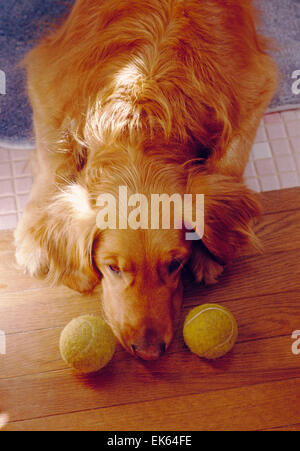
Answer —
274 157
15 186
262 124
11 195
269 140
291 146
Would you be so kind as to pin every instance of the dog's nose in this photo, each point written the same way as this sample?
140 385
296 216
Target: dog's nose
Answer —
149 344
150 352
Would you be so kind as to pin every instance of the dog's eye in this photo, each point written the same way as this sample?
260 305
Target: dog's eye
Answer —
174 266
115 269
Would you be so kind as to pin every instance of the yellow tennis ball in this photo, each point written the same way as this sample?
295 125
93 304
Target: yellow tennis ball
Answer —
87 344
210 331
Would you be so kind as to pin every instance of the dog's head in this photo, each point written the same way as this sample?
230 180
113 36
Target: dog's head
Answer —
139 263
140 258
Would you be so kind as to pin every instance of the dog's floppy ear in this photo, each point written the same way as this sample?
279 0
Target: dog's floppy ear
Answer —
229 213
67 235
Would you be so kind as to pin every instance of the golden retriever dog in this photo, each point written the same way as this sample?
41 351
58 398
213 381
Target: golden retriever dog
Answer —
160 97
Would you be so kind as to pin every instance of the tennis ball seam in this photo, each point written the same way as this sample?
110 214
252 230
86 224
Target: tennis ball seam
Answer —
83 351
220 310
87 359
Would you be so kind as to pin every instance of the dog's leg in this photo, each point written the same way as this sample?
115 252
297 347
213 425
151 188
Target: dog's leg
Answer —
232 163
234 160
55 235
31 256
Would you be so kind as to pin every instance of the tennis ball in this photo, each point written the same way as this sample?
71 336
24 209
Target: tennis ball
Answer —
210 331
87 344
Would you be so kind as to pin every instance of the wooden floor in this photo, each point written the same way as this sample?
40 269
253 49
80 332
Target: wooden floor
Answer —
256 387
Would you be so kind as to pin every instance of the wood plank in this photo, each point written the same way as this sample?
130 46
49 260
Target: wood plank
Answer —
289 428
37 346
35 310
275 231
122 381
246 277
41 309
13 279
250 277
247 408
261 290
281 200
6 241
263 316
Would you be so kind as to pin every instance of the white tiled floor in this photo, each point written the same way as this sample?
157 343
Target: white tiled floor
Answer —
275 157
15 183
274 164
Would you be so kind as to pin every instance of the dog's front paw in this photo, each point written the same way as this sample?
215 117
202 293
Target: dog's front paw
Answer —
211 273
30 256
205 269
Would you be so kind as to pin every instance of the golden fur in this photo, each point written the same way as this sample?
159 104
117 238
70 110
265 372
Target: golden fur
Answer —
163 96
